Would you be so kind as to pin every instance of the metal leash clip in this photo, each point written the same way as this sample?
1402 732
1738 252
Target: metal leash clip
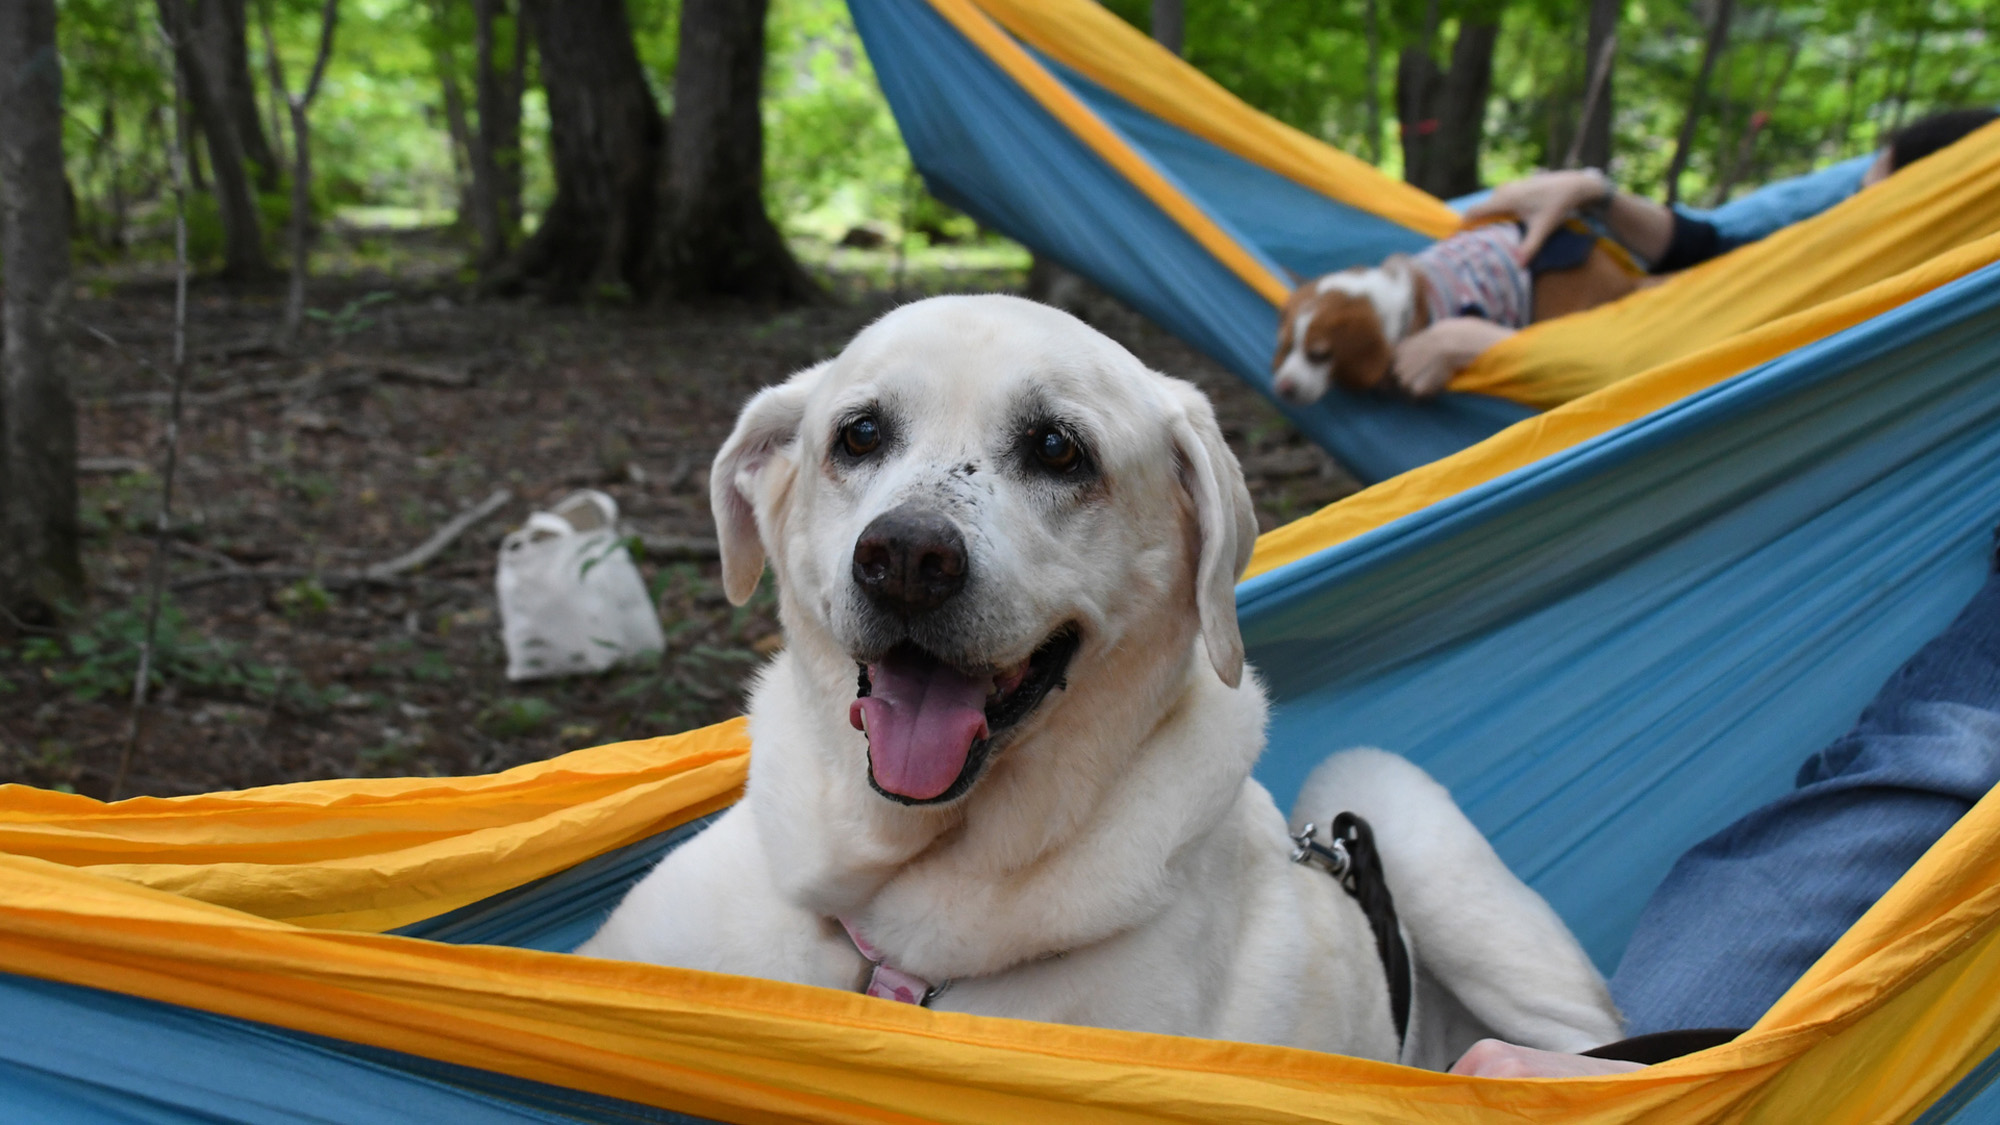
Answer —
1333 860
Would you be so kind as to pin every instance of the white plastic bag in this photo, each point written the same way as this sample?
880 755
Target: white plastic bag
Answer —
571 601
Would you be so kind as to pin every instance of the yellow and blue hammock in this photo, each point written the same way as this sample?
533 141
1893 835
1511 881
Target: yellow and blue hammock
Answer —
1059 124
1609 628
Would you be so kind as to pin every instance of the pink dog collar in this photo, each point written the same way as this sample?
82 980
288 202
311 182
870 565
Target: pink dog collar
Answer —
886 982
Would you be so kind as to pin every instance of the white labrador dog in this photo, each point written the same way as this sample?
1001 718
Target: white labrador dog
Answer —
1007 747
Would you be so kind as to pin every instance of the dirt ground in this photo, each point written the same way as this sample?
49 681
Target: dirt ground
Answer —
408 402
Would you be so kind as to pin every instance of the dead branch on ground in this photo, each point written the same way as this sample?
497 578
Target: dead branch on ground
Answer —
388 573
680 548
336 375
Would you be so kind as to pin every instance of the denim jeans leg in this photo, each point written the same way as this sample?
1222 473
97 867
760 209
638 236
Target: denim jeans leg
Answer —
1745 912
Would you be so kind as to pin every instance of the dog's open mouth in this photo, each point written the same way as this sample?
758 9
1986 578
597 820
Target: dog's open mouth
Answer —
931 726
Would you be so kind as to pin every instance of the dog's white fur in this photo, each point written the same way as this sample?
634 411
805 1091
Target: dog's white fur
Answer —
1115 865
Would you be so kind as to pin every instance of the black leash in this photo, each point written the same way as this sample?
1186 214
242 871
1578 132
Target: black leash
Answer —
1355 864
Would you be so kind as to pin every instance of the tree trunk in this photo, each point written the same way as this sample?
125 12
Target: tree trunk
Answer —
1850 83
718 239
1170 24
1419 85
224 37
242 228
1595 148
1718 38
1461 114
1909 78
1728 99
606 137
1372 18
39 562
1755 128
458 126
496 147
1443 112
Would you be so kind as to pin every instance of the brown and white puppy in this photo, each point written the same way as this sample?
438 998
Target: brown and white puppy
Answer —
1343 328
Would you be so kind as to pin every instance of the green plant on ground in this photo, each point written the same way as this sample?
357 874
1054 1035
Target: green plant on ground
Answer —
516 717
53 758
348 319
125 502
98 657
679 686
403 658
304 598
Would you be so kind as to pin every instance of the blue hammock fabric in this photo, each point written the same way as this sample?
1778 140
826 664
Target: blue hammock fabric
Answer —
1605 655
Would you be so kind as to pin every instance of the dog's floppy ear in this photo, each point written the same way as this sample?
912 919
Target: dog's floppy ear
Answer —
1225 519
768 423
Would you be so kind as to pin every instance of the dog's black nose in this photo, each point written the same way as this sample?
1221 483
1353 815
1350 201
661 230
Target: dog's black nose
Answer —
910 560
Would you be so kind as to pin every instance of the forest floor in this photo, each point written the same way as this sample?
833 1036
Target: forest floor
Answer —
408 402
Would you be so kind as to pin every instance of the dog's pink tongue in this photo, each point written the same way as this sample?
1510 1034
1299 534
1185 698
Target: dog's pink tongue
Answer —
921 718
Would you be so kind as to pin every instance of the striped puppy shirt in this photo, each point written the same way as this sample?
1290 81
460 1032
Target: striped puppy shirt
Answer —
1474 273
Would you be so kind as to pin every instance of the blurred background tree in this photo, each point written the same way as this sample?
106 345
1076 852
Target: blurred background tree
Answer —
551 158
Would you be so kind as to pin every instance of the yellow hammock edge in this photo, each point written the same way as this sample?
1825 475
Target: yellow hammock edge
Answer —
1088 38
1896 1013
378 853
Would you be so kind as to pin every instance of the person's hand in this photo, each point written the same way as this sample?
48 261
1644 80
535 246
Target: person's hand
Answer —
1425 362
1541 201
1491 1058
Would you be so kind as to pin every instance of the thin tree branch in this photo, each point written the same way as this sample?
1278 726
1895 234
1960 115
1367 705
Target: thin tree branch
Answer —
326 23
1755 128
1600 73
157 571
295 298
1718 38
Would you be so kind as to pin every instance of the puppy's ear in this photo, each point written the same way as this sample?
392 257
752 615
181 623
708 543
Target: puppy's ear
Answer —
1225 520
769 422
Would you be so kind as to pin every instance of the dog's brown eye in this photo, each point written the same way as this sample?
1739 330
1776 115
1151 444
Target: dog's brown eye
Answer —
1056 449
1319 355
861 436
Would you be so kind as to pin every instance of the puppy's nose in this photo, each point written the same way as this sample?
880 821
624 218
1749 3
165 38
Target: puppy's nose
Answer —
910 560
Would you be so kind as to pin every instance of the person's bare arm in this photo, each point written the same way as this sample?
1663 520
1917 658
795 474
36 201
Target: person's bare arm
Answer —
1491 1058
1426 361
1645 226
1542 201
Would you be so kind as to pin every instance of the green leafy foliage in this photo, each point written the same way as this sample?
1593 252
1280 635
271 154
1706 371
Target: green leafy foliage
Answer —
1855 71
1800 84
833 158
